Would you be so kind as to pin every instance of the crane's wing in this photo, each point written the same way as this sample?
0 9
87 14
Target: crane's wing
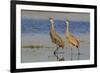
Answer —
72 39
56 38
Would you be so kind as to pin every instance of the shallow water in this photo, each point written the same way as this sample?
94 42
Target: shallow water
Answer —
47 54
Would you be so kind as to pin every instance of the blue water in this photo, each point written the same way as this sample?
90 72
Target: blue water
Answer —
42 26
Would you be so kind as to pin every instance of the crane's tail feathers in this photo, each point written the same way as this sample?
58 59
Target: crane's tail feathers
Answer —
77 46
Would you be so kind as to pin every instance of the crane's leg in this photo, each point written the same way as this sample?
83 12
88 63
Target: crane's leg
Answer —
55 53
71 54
71 51
78 54
56 50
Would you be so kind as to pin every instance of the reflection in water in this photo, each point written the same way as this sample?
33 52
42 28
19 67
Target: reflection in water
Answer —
59 55
59 58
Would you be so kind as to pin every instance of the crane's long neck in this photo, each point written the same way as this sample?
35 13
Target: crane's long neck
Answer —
51 25
67 26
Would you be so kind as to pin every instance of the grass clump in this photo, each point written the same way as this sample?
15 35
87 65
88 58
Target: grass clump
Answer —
36 46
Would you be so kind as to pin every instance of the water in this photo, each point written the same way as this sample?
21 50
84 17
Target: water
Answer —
33 31
42 26
46 55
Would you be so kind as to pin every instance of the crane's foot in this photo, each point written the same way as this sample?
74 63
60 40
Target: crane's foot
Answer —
61 59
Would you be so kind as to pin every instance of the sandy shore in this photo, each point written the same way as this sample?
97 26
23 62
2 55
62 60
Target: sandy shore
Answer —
46 54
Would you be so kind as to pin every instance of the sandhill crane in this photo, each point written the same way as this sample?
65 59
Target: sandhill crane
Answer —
55 38
72 41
